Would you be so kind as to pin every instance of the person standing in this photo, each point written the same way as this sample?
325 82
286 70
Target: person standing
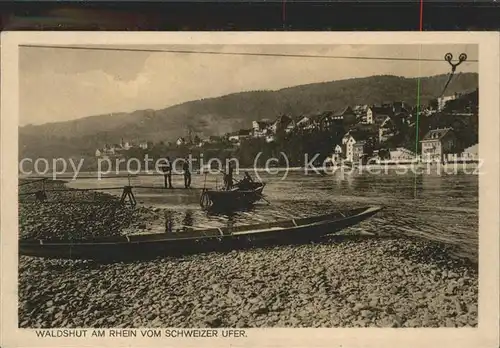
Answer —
187 173
229 176
167 173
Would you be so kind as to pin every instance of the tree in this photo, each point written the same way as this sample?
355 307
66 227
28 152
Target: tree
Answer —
433 104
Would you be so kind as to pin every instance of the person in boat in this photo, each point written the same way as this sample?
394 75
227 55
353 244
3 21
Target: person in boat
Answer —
246 182
187 174
167 173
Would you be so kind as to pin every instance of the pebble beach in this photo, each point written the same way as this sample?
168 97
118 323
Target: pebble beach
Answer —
346 281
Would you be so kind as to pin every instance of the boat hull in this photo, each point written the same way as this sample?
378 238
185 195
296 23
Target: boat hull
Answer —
189 242
231 199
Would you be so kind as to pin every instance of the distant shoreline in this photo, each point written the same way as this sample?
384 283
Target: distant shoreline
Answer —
329 170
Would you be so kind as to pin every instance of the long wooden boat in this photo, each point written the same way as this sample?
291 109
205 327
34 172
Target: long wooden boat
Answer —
190 241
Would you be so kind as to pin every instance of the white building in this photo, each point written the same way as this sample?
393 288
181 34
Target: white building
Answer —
348 141
402 154
125 145
443 100
386 130
303 121
337 154
261 128
471 153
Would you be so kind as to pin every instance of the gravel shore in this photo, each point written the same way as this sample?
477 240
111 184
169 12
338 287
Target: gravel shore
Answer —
78 214
349 281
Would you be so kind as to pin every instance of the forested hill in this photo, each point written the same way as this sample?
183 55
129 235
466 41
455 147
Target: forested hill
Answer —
228 113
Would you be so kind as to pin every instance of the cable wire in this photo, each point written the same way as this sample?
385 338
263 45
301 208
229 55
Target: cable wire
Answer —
121 49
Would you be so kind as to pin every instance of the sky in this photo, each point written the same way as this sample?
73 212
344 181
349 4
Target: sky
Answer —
60 84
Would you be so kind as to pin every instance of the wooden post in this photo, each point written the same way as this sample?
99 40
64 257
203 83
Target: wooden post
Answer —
127 193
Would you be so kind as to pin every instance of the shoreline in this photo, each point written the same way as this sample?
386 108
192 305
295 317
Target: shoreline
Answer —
352 283
345 281
330 169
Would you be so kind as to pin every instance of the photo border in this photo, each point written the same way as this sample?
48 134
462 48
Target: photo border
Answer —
485 335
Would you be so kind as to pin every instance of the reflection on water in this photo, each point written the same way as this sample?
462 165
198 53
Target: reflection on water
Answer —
437 207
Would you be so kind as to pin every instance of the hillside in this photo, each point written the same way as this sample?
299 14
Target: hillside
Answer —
227 113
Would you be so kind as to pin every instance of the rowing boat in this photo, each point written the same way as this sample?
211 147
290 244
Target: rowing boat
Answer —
234 198
190 241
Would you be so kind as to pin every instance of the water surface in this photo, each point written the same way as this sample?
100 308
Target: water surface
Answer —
436 207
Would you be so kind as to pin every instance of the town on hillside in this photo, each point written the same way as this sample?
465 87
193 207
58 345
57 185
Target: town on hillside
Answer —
445 130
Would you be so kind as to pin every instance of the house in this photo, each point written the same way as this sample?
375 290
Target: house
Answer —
291 126
107 150
401 154
401 112
337 153
437 143
237 136
302 121
378 114
348 140
387 130
345 116
261 128
270 138
399 106
338 150
471 153
360 112
124 145
441 102
143 145
308 122
280 123
180 141
314 122
234 138
358 151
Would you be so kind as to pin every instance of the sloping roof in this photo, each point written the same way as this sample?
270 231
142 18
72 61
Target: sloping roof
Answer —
300 117
360 107
436 134
401 151
388 122
380 110
283 120
356 135
265 122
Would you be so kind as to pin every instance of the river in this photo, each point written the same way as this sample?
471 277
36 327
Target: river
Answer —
431 206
